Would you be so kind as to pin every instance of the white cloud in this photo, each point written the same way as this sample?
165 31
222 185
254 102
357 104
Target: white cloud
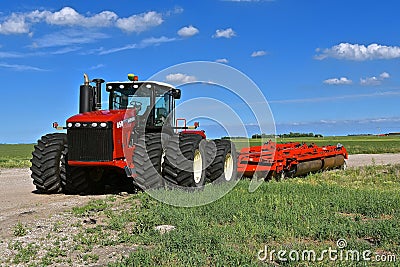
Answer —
68 16
335 98
65 50
359 52
20 67
68 37
15 24
141 22
258 53
372 81
180 78
188 31
384 75
222 60
98 66
155 41
10 55
369 81
144 43
176 10
20 23
227 33
117 49
338 81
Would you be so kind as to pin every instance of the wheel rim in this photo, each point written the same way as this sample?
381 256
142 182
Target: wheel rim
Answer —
60 164
162 160
197 166
344 166
61 160
228 167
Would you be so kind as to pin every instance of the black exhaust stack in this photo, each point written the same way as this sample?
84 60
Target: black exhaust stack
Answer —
89 96
86 96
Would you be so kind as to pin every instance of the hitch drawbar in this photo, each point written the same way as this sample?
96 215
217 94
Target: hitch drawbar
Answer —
289 159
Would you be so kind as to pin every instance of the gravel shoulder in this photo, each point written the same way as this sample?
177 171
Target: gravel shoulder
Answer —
19 201
370 159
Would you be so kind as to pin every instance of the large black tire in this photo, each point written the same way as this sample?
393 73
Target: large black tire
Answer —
147 159
77 181
185 161
223 168
49 163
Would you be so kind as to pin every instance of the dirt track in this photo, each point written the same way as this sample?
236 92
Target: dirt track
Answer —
369 159
18 202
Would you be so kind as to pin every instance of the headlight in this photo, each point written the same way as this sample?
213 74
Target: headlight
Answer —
94 124
69 125
77 124
103 124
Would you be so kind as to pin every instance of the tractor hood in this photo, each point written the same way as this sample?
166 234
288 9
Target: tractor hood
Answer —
103 116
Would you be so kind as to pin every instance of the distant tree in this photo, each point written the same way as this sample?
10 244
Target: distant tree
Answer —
292 134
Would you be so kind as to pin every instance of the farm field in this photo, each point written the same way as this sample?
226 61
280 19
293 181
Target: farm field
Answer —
15 156
353 144
357 206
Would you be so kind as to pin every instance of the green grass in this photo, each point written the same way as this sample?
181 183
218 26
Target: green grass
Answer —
359 205
15 156
353 144
20 230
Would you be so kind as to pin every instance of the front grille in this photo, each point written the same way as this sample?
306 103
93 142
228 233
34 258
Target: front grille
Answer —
90 144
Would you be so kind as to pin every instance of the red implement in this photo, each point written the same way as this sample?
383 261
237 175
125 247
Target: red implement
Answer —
289 159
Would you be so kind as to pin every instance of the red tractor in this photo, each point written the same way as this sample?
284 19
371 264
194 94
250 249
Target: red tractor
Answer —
135 143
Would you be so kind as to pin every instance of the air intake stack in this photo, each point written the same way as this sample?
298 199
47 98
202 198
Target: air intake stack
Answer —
97 92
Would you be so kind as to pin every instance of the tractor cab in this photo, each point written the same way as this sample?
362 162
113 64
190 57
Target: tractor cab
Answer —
154 102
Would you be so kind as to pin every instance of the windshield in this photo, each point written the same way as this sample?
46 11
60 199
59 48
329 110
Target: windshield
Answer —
140 98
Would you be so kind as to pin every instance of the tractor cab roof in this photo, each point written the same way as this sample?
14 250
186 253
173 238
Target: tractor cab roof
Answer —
133 86
136 84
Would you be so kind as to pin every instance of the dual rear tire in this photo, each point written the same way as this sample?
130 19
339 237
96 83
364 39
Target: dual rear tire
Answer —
191 161
223 167
185 161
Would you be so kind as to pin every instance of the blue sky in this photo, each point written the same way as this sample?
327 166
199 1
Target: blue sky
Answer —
327 67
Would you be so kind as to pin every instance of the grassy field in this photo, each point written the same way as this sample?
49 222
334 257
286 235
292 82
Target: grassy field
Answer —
15 156
360 206
353 144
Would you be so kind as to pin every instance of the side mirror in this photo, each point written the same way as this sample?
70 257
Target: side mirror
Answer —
176 93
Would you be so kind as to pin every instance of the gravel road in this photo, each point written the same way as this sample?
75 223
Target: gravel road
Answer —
369 159
20 203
